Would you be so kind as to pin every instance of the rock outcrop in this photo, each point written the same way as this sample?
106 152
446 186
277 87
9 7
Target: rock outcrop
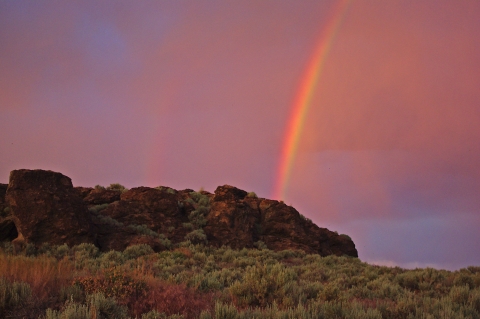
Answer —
8 231
43 207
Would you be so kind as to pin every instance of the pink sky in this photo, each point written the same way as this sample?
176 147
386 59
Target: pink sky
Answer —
194 94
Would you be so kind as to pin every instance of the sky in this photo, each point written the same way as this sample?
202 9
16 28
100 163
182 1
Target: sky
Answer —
192 94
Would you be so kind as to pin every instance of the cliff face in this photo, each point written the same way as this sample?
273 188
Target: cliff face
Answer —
41 206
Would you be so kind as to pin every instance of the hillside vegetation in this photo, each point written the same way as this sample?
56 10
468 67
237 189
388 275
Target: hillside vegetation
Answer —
198 281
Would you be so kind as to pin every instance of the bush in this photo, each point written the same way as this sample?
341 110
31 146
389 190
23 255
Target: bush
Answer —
197 217
5 212
159 315
144 230
71 310
111 259
136 251
260 245
197 236
252 195
106 307
109 220
117 187
97 307
113 283
306 219
13 295
166 189
98 208
261 285
223 311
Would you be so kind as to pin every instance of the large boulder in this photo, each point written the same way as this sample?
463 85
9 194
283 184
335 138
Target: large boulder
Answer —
3 192
8 230
238 220
282 227
45 208
230 221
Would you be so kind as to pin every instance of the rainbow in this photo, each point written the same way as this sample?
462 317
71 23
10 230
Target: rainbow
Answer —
303 98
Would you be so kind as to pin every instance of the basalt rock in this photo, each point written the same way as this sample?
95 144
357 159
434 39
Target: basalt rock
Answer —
43 206
160 210
8 231
3 191
98 196
238 220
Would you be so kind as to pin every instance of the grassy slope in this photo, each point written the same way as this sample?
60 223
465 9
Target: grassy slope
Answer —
195 281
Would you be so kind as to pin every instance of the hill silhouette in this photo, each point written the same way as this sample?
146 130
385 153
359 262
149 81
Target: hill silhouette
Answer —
40 207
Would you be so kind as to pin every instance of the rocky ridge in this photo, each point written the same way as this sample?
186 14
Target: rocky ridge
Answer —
39 206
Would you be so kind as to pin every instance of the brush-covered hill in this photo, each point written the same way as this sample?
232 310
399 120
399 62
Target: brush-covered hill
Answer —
198 281
42 207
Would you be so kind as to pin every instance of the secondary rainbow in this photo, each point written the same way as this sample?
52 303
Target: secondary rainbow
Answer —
303 99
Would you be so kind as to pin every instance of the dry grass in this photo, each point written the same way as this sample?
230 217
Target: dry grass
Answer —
45 275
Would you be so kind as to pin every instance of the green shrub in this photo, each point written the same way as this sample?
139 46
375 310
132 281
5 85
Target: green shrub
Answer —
307 219
85 255
62 251
30 250
160 315
109 220
97 307
345 236
474 299
106 307
252 195
136 251
459 294
262 284
72 293
197 217
330 292
13 295
98 208
188 226
7 247
205 315
144 230
71 310
117 187
199 198
260 245
6 211
463 278
223 311
111 258
86 250
197 236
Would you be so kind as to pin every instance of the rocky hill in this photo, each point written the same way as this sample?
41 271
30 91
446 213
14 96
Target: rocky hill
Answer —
39 206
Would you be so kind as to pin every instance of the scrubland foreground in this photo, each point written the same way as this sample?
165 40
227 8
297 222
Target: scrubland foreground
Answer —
197 281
